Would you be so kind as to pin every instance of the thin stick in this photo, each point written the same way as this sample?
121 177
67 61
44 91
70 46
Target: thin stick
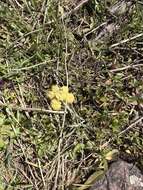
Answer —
126 40
64 118
25 35
42 176
76 8
33 66
122 132
126 67
94 29
16 108
80 4
25 175
131 126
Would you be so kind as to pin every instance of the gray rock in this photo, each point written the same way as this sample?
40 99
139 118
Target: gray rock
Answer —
120 176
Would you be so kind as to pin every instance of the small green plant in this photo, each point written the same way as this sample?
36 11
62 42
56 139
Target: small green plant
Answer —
6 132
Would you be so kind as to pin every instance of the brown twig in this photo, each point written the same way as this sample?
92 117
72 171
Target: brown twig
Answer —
40 110
81 3
131 126
126 67
126 40
122 132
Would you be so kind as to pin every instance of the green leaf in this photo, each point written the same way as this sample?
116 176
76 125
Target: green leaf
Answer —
78 148
91 180
2 144
112 154
2 119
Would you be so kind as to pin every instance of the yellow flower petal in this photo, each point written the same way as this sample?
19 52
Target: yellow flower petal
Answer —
55 104
55 88
63 96
51 94
59 96
64 89
70 98
63 93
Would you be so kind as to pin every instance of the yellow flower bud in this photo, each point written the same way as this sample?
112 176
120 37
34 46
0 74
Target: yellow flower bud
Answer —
70 98
55 104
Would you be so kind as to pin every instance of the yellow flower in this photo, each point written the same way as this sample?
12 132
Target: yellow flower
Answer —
51 94
70 98
64 89
58 95
55 104
61 94
55 88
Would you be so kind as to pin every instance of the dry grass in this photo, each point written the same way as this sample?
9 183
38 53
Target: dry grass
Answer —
98 54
